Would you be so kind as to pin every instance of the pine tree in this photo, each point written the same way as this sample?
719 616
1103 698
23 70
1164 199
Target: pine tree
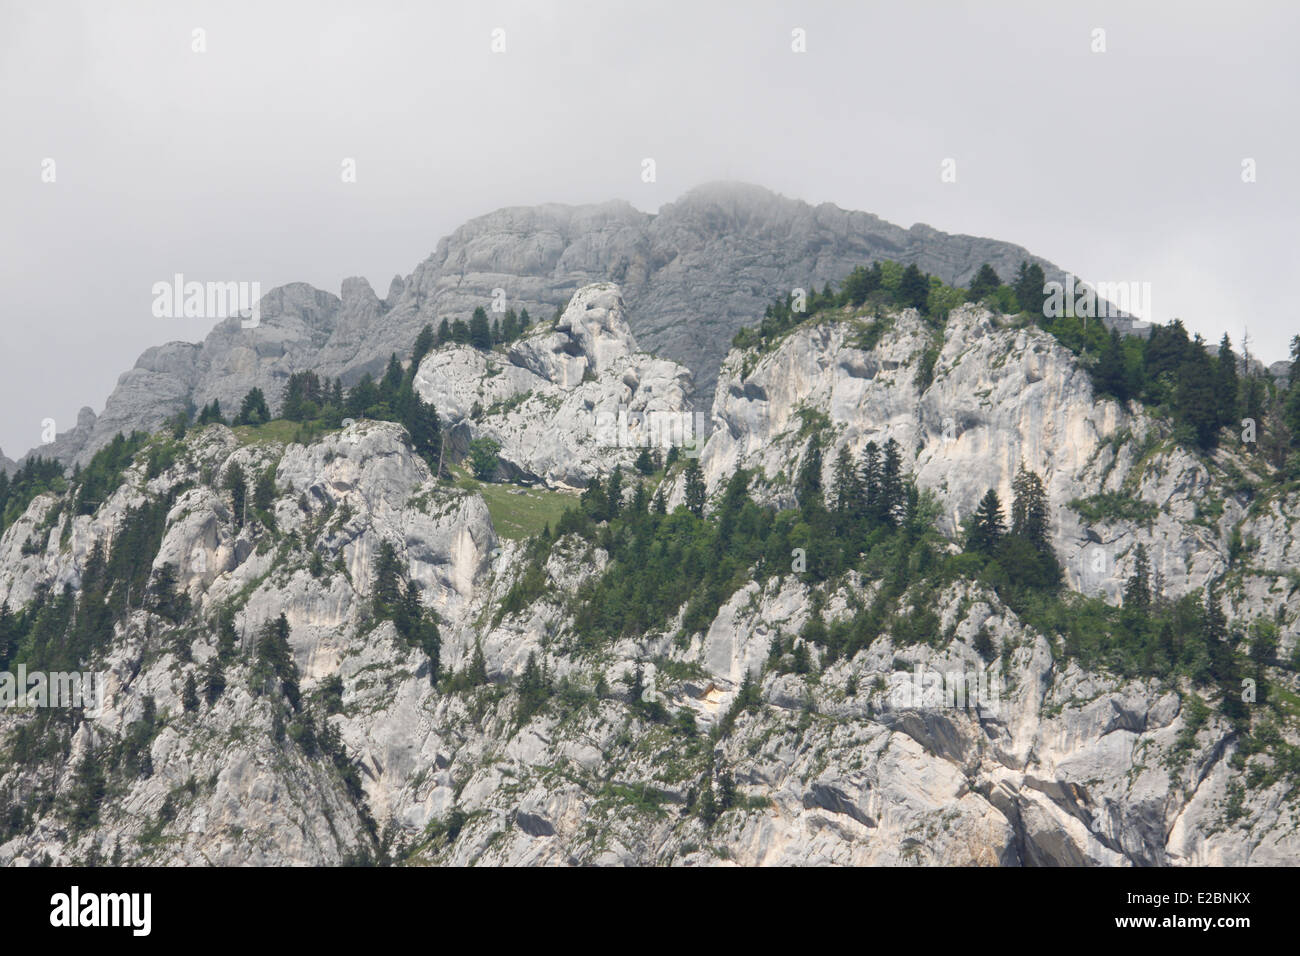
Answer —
425 428
424 344
695 489
274 664
302 397
987 527
430 640
1029 509
808 486
1137 590
190 694
914 288
1163 354
707 806
847 490
636 685
533 690
1195 403
8 635
1225 383
477 675
640 499
386 593
253 410
444 332
363 396
1029 288
392 380
643 464
1111 375
237 485
211 414
869 479
264 490
595 502
726 791
891 500
510 326
163 596
986 282
480 334
214 680
227 637
614 492
1291 405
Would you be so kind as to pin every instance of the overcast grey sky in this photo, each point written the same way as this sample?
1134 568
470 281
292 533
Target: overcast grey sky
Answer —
1122 165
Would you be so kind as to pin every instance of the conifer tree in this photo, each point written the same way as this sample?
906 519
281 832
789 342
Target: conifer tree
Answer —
253 410
808 486
914 288
1029 509
1137 590
1225 383
695 489
987 527
614 492
986 282
1195 403
237 485
1111 375
847 490
424 344
891 500
214 680
869 479
190 694
643 464
274 664
480 333
509 326
1029 288
386 593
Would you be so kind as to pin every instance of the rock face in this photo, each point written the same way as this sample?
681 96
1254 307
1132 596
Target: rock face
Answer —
555 405
999 397
838 761
692 274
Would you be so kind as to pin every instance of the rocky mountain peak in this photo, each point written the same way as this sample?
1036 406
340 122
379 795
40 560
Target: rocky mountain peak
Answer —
691 276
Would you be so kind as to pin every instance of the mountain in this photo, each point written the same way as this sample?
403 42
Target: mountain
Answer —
692 274
746 657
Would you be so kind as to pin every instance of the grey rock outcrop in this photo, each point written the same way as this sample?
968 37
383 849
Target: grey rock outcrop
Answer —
692 274
554 406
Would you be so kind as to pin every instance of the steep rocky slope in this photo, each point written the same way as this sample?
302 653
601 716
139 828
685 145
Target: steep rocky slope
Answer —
578 376
820 761
692 274
999 396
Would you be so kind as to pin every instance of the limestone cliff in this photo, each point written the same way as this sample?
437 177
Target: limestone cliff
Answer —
828 765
